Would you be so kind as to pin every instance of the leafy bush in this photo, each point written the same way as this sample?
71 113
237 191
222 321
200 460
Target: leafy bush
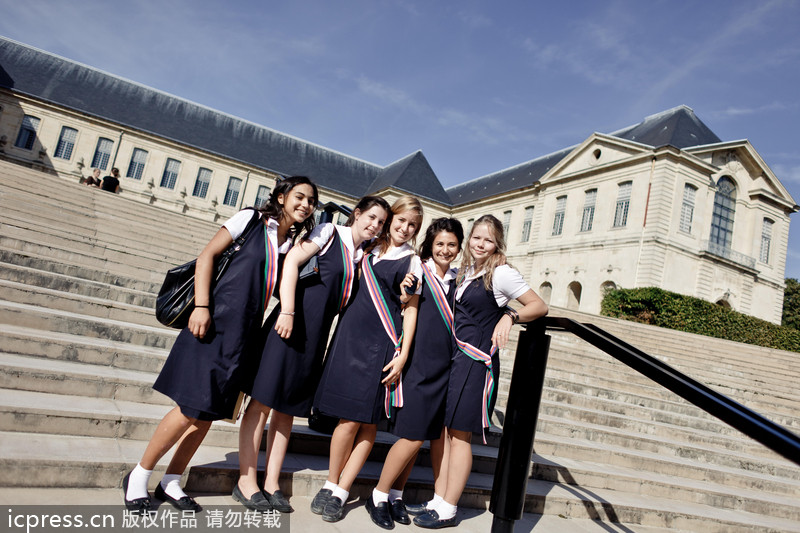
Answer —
791 304
666 309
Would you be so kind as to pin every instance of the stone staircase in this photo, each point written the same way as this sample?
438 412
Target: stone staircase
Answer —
80 347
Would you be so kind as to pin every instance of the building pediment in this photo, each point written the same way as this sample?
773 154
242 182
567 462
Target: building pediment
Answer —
597 153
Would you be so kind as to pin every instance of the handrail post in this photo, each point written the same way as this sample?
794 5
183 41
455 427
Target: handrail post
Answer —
522 412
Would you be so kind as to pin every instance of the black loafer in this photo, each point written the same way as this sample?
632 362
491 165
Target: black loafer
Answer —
416 508
278 501
139 505
334 509
431 520
380 514
319 501
399 513
184 504
257 502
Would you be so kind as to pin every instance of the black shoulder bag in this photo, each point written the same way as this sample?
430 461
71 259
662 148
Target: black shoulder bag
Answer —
175 301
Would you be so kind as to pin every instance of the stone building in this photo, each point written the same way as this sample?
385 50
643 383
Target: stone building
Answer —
662 203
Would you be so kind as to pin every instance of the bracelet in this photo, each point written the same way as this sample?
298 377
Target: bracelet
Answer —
286 313
512 314
201 306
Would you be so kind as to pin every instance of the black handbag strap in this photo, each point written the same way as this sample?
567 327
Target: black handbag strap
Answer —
255 220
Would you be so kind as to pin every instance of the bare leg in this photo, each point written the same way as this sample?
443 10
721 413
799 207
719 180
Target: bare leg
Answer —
358 456
440 457
459 465
187 446
400 482
397 460
341 448
250 432
169 430
280 429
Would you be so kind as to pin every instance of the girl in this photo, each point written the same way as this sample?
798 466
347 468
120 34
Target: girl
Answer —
207 364
426 376
481 326
367 355
291 362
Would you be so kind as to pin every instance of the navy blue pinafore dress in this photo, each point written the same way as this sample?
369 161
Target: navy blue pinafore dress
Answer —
427 372
204 376
351 387
476 315
290 369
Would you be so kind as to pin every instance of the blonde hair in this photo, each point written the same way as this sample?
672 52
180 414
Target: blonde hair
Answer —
401 205
497 258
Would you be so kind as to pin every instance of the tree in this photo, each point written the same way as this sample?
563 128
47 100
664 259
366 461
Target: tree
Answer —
791 304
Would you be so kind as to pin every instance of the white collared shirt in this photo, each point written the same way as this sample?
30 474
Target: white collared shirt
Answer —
238 222
321 236
448 276
507 284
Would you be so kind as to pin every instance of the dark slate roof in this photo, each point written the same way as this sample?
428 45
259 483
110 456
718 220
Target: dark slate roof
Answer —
413 175
678 127
52 78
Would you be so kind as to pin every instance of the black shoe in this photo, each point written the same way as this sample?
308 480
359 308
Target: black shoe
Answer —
256 502
416 508
319 501
139 505
334 509
278 501
431 520
184 504
399 513
380 513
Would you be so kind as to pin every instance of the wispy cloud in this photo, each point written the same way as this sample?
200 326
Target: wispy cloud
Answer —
787 173
474 20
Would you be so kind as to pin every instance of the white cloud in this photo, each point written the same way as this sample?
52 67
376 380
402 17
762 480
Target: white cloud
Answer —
787 173
474 20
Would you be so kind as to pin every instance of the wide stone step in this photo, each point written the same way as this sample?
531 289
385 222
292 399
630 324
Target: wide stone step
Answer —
32 316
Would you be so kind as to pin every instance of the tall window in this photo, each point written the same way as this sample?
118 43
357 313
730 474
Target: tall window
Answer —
136 166
558 218
27 132
506 223
766 240
66 143
262 196
588 210
623 202
201 183
102 153
232 194
170 175
527 221
724 210
687 208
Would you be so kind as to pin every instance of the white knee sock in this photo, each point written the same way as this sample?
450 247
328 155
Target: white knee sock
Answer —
137 483
171 483
378 497
395 494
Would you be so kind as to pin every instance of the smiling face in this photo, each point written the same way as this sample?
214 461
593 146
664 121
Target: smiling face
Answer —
444 250
299 203
368 224
404 227
482 244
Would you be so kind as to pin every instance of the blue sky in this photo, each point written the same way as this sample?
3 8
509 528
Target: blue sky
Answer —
477 86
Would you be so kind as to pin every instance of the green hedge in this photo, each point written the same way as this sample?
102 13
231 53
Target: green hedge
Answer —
666 309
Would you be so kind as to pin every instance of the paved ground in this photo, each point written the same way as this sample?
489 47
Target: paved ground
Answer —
356 519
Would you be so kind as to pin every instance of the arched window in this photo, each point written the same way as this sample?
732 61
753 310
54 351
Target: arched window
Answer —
574 296
724 210
545 291
607 287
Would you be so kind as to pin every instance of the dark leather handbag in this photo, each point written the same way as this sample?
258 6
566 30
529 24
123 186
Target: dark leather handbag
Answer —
175 301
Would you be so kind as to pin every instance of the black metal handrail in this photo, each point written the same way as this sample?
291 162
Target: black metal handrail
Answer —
525 393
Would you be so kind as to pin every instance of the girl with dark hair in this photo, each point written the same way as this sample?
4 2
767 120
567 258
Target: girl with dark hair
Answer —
481 323
208 363
296 337
361 379
425 378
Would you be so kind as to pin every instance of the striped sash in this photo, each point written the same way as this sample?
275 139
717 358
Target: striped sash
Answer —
394 391
488 387
348 276
270 266
439 297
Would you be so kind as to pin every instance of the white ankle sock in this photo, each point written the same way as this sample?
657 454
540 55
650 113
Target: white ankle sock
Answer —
137 483
446 510
340 493
431 505
171 483
395 494
330 485
378 497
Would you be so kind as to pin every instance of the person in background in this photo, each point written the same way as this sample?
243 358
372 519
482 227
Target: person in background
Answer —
94 179
111 183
